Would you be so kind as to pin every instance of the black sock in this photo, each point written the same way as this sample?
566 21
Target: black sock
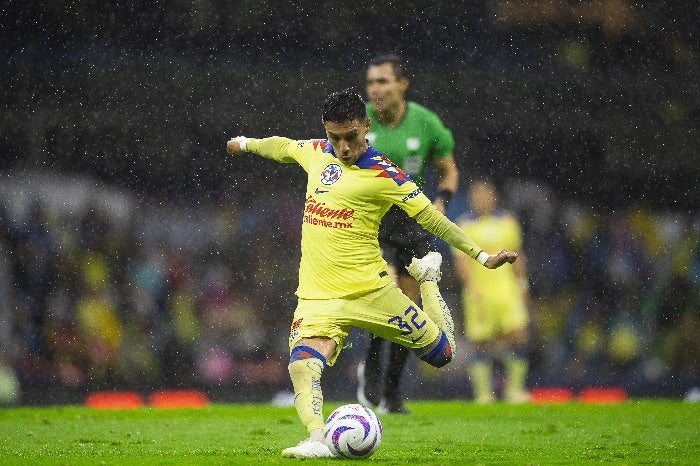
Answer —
373 369
398 355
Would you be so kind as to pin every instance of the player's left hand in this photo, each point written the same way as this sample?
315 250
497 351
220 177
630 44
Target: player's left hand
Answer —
501 257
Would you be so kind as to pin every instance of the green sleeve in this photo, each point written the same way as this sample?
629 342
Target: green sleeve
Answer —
436 223
444 141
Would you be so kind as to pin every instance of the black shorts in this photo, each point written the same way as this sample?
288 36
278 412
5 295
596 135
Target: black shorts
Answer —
401 238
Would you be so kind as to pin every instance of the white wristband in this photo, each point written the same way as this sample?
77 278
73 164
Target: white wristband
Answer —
242 141
481 257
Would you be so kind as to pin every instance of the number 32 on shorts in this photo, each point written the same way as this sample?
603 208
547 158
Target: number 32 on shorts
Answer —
407 323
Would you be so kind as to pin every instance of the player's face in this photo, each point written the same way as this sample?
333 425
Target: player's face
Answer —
385 90
348 139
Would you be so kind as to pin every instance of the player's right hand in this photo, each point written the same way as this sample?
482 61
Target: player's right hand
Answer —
237 145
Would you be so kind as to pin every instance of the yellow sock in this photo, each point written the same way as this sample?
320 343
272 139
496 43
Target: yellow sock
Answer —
308 397
437 309
516 373
480 375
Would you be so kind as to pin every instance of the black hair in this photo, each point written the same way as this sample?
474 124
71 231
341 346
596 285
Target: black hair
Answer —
344 106
396 62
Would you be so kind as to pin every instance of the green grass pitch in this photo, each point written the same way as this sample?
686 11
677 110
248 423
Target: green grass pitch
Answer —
435 433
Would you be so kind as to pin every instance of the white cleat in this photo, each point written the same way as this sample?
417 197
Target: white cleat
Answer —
308 449
427 268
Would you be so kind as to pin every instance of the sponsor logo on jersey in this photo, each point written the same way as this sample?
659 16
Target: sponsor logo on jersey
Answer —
321 210
331 174
319 214
412 195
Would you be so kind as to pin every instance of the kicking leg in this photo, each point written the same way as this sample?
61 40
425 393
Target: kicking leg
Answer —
427 272
392 401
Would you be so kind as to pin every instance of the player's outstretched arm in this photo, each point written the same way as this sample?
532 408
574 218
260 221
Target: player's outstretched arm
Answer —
237 145
277 148
501 257
436 223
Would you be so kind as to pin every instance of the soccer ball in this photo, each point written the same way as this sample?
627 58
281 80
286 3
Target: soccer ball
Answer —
352 431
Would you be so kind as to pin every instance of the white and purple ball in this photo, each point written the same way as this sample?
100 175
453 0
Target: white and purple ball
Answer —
353 431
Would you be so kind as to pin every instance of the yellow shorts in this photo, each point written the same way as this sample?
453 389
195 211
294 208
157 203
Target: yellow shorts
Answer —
493 315
385 312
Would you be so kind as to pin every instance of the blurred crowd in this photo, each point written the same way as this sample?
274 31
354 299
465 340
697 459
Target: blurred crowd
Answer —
171 297
616 292
201 295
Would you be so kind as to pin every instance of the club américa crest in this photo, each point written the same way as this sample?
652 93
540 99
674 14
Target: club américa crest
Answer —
331 174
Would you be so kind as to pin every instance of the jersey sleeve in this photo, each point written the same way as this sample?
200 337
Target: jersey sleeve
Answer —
282 150
406 195
411 199
436 223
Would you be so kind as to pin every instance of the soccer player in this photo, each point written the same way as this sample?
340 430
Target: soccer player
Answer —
411 136
343 280
494 304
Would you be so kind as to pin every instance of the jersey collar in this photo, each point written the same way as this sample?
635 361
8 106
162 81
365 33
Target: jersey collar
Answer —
364 161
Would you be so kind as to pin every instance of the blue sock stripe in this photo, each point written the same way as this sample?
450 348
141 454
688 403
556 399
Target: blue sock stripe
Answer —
300 352
441 354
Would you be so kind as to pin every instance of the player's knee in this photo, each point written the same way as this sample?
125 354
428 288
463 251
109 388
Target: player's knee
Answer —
441 352
303 352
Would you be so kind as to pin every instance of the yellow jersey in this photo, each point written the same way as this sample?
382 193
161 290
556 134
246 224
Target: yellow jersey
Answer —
344 205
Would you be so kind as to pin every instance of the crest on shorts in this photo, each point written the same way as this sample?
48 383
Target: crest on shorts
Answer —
331 174
294 331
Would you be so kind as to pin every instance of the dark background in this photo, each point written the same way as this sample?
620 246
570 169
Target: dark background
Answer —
595 98
594 103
